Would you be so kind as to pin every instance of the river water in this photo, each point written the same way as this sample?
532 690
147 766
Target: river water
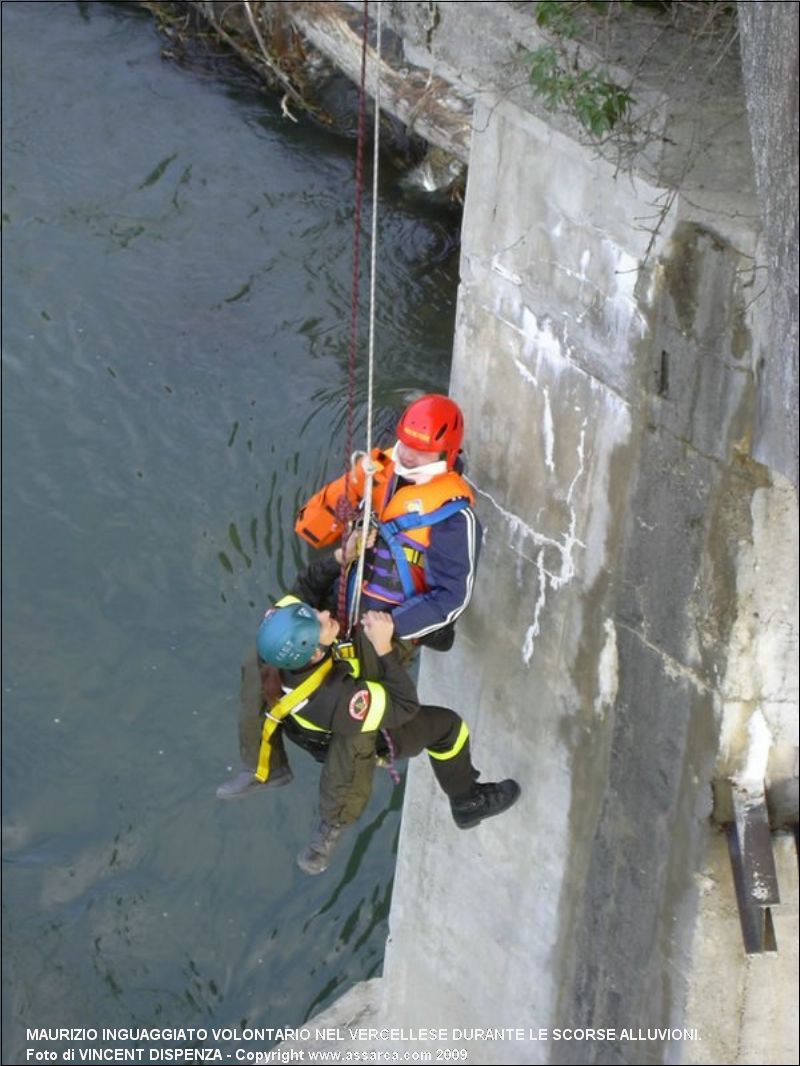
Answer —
177 263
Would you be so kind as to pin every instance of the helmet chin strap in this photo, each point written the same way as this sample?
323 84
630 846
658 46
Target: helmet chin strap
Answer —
419 475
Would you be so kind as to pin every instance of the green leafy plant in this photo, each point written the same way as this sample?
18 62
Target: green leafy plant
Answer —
598 103
557 17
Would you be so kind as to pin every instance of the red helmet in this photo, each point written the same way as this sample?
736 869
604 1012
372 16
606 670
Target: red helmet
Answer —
433 423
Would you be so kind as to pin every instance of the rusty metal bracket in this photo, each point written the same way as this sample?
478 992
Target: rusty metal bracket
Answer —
754 875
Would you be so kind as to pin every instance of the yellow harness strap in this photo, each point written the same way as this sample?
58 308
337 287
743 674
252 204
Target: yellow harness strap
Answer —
414 556
284 706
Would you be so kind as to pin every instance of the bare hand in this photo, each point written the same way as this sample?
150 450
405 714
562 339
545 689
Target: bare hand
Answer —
378 628
353 547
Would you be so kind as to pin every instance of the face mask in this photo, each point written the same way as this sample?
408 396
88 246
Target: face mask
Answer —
419 475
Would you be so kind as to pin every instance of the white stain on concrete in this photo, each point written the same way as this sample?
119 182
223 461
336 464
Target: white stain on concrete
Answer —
760 685
581 451
504 271
549 432
542 347
623 315
517 525
541 356
526 373
674 670
586 256
541 600
612 282
540 338
520 531
753 773
607 671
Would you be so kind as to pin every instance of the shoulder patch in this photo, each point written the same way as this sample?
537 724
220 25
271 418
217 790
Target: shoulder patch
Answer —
359 705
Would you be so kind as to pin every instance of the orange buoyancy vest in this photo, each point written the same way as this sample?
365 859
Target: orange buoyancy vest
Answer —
318 521
395 568
396 565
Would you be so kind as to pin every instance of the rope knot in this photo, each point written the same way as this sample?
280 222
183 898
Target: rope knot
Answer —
367 463
345 512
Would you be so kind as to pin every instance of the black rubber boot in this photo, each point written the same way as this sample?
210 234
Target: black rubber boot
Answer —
484 801
247 784
316 856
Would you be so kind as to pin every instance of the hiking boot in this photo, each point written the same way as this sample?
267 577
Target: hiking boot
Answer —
483 802
316 856
246 783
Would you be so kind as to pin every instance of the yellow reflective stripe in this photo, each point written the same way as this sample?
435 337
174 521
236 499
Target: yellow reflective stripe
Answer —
283 707
285 601
304 722
461 740
377 706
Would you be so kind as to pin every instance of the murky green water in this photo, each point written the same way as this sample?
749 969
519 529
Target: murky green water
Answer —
176 304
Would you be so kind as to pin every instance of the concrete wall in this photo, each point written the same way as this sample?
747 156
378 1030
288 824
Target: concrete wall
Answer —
608 403
769 45
633 637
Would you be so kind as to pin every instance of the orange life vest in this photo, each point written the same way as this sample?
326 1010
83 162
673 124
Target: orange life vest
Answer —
317 520
395 568
396 565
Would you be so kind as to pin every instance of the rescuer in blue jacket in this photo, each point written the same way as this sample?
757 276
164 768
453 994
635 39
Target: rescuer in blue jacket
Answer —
423 554
348 706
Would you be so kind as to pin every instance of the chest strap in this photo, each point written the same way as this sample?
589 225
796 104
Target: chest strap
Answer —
391 530
284 706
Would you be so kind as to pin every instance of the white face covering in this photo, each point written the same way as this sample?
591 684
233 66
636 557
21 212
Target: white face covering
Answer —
419 475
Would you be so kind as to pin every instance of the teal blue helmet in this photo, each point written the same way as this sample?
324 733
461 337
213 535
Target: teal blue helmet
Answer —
288 636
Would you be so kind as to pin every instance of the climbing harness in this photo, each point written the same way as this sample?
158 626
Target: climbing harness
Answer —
283 707
293 701
404 538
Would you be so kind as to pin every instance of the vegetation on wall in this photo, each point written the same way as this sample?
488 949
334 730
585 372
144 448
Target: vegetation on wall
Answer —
568 75
597 102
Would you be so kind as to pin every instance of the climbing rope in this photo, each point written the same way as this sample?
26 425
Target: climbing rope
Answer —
366 457
356 280
345 511
369 466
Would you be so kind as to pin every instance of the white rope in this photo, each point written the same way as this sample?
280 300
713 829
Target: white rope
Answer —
373 266
369 469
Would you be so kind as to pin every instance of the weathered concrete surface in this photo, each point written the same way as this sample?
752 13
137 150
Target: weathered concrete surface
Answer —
765 985
758 740
769 43
600 480
633 637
